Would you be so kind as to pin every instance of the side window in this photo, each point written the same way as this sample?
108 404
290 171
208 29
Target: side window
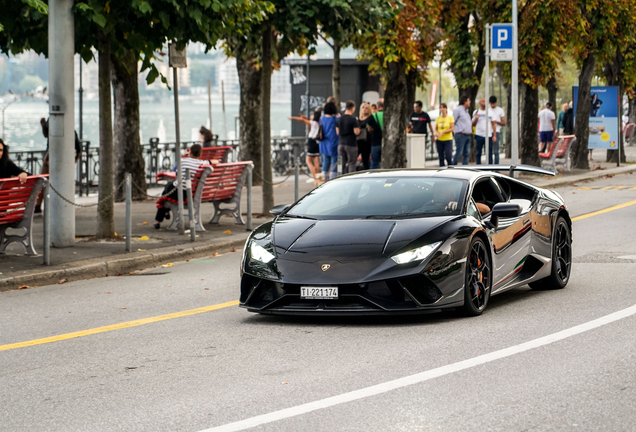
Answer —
471 210
518 193
487 192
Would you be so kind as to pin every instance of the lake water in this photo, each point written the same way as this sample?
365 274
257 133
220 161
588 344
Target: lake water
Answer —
23 132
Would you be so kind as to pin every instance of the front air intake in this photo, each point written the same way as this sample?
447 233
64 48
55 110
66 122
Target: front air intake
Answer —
421 289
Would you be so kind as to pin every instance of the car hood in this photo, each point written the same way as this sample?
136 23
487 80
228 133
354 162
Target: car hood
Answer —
346 241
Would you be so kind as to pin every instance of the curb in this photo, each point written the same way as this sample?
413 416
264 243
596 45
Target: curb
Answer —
119 264
568 180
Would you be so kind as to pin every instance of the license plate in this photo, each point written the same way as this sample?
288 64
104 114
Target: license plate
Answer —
319 292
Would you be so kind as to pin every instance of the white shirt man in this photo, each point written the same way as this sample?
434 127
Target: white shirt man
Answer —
547 125
479 121
498 117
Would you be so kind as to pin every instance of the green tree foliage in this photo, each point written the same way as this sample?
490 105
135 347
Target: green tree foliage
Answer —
403 41
341 22
544 34
23 26
594 41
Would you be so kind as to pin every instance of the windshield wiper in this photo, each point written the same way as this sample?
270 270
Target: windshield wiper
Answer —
299 216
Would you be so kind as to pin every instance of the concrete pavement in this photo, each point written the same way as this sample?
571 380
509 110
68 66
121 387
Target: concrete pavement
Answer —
89 258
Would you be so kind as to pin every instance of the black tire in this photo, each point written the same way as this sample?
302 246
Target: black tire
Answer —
561 259
478 280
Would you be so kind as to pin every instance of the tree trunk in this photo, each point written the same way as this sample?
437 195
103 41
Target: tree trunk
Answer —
335 73
613 72
632 116
394 142
129 157
529 151
508 89
580 152
106 208
266 96
250 116
552 88
411 85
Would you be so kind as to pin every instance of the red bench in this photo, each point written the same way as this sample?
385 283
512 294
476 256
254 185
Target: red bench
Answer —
211 153
558 153
224 185
17 202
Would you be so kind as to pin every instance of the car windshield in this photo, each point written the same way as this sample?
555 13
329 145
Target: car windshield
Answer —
382 198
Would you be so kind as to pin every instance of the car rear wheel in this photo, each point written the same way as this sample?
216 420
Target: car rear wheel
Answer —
478 279
561 259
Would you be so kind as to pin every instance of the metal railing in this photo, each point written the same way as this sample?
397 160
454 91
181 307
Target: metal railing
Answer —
158 157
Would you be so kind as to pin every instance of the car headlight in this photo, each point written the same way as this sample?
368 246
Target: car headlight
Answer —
415 254
259 253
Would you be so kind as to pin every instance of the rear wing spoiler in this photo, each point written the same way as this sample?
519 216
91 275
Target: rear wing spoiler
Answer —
510 168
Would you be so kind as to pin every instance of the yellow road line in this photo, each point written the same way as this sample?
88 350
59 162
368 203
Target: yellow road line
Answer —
126 324
144 321
606 188
620 206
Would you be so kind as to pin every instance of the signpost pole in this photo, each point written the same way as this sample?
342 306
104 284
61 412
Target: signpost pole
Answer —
487 141
177 59
514 124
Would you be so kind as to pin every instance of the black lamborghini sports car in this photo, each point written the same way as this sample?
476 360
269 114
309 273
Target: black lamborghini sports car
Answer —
407 241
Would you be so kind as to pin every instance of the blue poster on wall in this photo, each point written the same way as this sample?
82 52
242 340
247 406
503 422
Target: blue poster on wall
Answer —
604 128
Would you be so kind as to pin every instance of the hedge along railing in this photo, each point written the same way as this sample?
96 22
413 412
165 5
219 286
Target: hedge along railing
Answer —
158 157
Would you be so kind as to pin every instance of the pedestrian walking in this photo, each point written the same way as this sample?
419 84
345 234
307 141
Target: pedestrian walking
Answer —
419 121
313 148
375 124
547 124
45 162
328 144
348 130
444 126
463 131
364 137
480 122
498 116
559 123
568 121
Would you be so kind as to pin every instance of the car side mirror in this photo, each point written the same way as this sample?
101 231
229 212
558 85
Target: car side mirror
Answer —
277 210
504 210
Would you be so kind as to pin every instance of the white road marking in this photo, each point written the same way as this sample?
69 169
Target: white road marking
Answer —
627 257
421 377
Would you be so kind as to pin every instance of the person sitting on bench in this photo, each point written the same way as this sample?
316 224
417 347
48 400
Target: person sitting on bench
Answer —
7 168
191 162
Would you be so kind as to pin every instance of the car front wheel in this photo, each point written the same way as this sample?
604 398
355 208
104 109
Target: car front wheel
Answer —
561 259
478 279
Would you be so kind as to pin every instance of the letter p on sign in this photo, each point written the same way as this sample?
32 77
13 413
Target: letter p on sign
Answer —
502 35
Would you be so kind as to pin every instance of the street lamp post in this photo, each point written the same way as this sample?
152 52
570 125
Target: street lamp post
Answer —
81 102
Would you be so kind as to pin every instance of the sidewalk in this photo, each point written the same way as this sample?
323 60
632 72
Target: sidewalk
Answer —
89 258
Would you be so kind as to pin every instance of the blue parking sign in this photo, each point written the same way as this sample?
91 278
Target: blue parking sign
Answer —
501 45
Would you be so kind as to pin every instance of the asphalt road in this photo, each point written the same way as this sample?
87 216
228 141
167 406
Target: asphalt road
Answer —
535 361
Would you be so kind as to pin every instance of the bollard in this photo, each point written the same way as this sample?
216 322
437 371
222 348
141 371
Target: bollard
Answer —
128 212
250 167
47 224
188 182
